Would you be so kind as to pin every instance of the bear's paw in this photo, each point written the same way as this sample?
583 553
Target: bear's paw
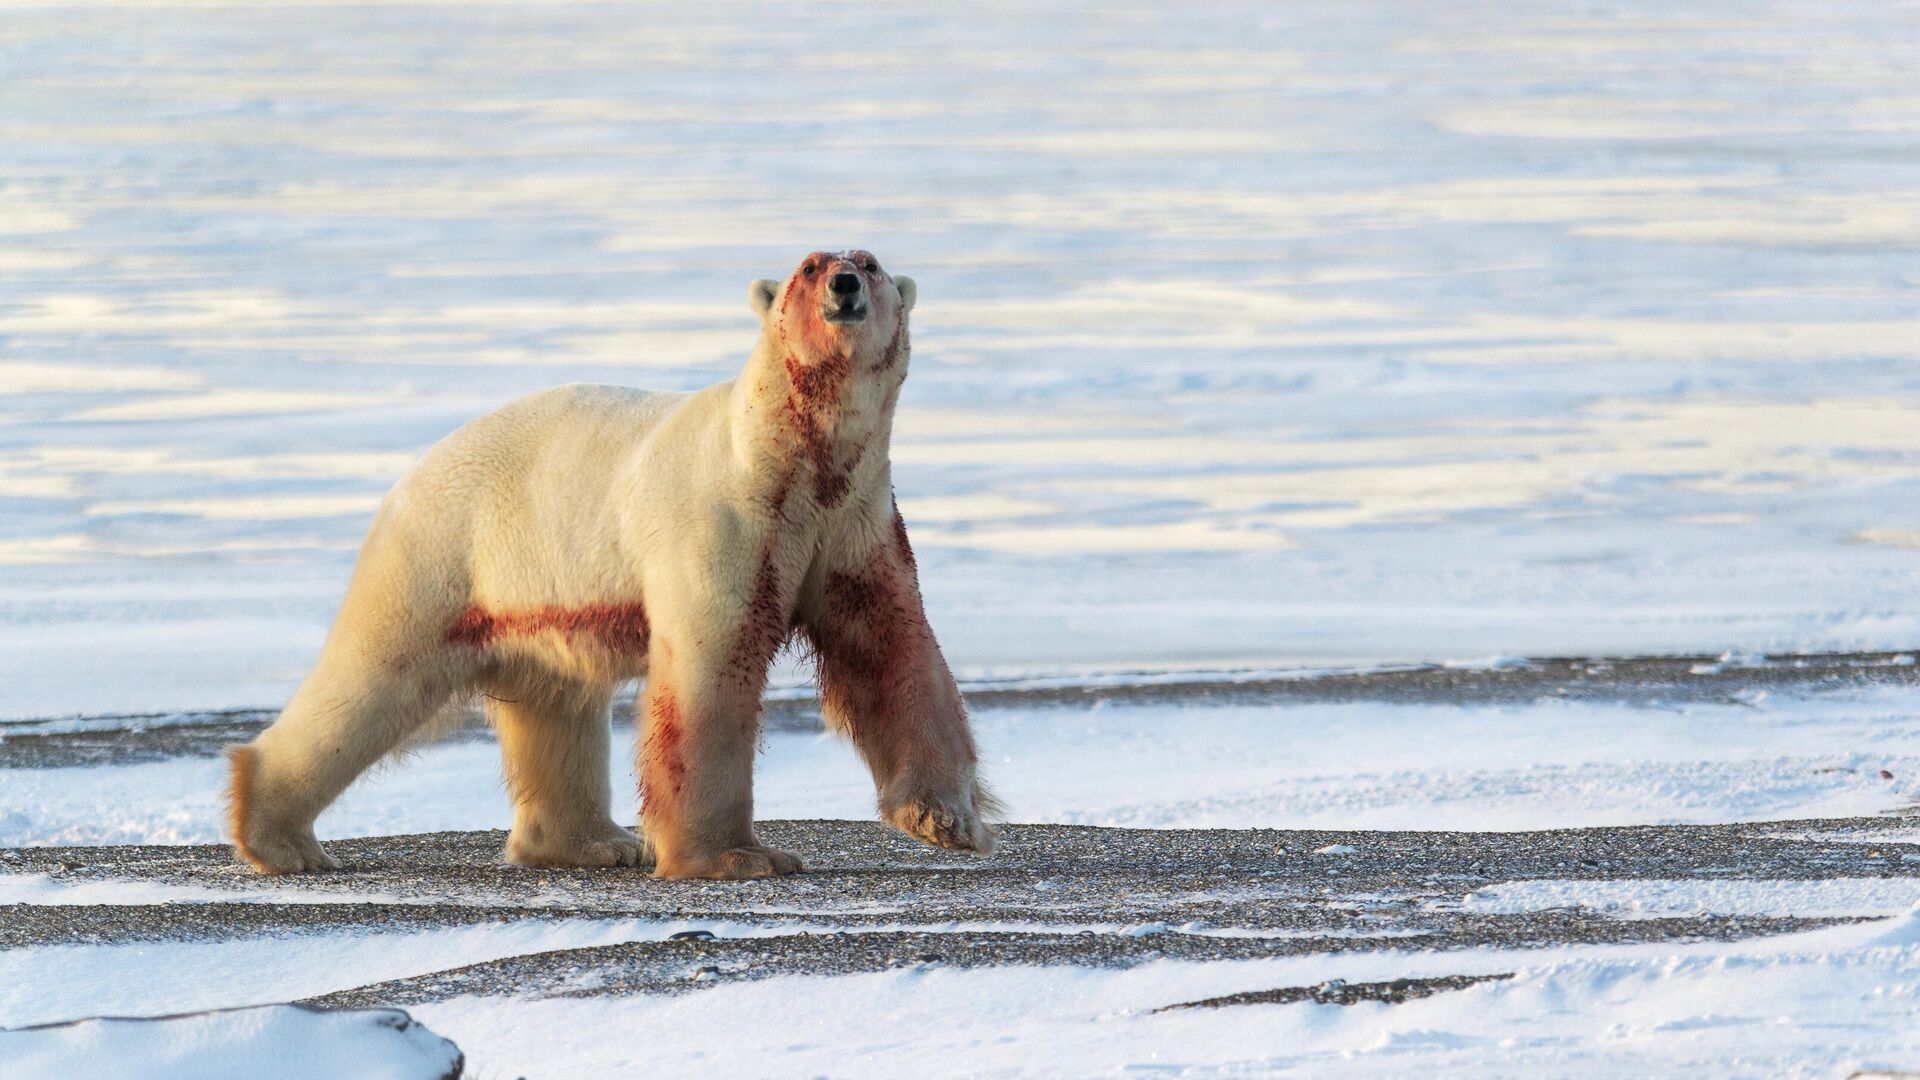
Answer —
734 864
291 852
604 845
953 822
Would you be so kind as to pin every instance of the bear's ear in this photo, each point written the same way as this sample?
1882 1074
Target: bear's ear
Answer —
760 294
908 291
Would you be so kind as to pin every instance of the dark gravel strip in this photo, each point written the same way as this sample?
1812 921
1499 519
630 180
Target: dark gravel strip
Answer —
1046 873
679 966
1139 888
1339 992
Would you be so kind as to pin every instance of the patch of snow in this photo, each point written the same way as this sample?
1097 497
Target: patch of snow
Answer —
1805 1004
49 983
47 889
1808 1005
1876 837
286 1042
52 983
1653 899
1488 663
1730 661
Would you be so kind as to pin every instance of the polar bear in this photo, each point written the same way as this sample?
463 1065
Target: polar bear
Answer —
588 535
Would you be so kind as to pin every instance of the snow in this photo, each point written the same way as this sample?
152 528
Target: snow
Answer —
1845 995
45 889
1548 764
48 984
1809 1004
1887 836
1662 899
55 983
1273 337
1819 1004
1267 338
283 1041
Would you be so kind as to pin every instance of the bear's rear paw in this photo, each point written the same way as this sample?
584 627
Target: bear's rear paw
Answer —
284 853
953 822
734 864
605 844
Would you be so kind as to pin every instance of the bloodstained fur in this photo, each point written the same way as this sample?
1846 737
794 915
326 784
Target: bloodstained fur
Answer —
663 768
622 628
900 543
817 382
815 394
873 645
764 629
873 648
892 355
816 336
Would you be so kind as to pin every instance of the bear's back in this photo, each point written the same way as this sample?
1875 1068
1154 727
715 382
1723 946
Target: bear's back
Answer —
534 474
563 434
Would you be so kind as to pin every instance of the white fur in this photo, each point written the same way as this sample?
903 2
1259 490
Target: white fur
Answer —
588 535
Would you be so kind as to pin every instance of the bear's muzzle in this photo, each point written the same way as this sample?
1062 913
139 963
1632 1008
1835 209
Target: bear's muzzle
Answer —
846 297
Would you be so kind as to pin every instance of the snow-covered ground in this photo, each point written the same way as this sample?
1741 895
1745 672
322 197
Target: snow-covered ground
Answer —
1822 1004
1814 1004
1554 764
1817 1004
281 1041
1251 334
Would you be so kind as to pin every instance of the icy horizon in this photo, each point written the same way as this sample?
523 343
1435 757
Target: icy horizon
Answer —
1259 337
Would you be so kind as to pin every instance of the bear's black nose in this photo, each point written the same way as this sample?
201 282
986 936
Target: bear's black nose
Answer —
846 284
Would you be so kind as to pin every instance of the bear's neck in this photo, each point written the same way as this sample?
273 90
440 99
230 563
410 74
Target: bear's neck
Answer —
818 419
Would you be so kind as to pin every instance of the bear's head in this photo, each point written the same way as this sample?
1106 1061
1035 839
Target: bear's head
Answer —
836 304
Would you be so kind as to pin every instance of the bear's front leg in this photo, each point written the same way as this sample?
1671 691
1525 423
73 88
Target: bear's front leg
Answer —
884 682
700 719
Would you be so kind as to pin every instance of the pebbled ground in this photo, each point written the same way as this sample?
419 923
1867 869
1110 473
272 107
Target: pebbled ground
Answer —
873 900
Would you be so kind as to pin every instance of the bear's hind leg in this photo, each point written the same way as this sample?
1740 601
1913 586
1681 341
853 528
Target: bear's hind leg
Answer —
348 714
268 841
554 745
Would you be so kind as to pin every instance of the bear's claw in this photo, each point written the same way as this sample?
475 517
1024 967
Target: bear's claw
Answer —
954 824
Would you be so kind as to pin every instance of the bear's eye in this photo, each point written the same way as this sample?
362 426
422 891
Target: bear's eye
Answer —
808 269
869 266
